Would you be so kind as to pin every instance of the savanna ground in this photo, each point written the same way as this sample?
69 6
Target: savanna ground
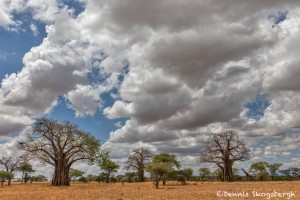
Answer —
173 190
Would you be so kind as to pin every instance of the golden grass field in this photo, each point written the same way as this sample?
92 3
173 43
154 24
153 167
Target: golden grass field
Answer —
173 190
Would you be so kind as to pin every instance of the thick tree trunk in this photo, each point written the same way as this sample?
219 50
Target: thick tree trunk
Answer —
141 175
61 174
228 175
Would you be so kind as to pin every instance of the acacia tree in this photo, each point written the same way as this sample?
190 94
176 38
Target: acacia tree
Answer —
74 173
224 149
260 170
60 145
26 168
273 168
5 176
204 173
10 165
108 166
158 171
170 159
139 160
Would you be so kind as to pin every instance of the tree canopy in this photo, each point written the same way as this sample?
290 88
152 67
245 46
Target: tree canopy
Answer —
60 145
224 149
139 160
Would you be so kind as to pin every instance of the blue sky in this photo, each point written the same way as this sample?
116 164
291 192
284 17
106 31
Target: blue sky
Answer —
142 74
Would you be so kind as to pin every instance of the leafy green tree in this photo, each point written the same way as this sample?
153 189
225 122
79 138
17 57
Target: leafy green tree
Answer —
187 173
218 174
10 165
74 173
295 172
119 177
260 170
204 172
158 170
83 179
130 176
26 168
139 160
224 149
287 173
170 159
5 176
39 178
60 145
273 168
108 167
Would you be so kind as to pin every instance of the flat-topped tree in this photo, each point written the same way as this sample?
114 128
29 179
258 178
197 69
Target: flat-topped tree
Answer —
60 145
224 149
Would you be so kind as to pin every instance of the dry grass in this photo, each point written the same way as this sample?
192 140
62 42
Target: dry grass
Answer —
117 191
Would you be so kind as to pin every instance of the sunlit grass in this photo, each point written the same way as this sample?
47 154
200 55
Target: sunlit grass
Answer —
173 190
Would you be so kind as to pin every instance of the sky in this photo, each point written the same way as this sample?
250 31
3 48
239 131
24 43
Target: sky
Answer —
159 74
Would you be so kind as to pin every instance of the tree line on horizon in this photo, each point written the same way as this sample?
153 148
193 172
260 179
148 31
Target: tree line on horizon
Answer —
63 144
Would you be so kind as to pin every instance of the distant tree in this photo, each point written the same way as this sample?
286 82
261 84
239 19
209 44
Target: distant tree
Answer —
170 159
224 149
218 174
273 168
204 173
187 173
74 173
120 177
10 165
39 178
91 178
5 176
101 177
295 172
25 168
139 160
108 166
158 170
130 176
286 172
83 179
260 170
60 145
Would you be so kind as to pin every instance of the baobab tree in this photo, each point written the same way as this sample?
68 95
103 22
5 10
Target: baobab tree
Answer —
224 149
60 145
139 160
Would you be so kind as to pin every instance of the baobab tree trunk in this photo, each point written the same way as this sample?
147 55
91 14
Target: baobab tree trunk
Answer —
61 174
227 173
141 175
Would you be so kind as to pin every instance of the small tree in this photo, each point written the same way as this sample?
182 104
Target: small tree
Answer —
170 159
10 165
260 170
119 177
60 145
130 176
204 173
295 172
224 149
39 178
26 168
5 176
158 170
187 173
139 160
74 173
108 166
273 168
